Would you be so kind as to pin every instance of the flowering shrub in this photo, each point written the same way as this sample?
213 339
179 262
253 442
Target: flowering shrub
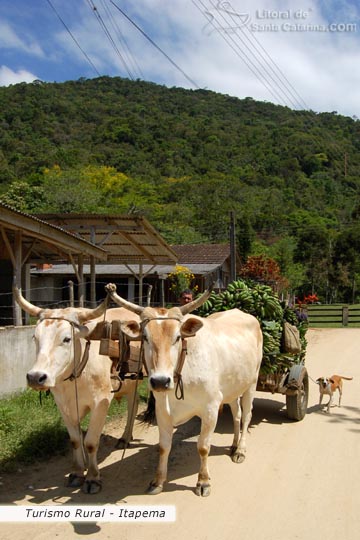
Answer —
264 269
309 299
181 278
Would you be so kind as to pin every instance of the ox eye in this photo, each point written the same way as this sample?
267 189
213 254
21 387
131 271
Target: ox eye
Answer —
177 339
66 339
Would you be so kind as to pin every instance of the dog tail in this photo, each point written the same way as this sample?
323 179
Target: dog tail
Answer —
346 378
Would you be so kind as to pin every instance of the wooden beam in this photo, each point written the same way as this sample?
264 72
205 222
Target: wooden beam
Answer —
36 228
8 246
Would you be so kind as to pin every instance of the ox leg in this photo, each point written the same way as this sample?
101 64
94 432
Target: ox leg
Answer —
208 425
91 442
132 398
166 430
76 477
235 407
246 405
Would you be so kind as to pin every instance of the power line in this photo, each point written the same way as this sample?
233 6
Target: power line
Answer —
109 36
258 58
259 65
73 38
122 40
253 68
270 62
193 83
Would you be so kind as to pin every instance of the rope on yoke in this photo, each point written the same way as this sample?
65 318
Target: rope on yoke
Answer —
179 389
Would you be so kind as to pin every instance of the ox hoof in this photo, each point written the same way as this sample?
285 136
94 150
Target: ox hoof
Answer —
75 480
92 487
202 490
154 489
237 456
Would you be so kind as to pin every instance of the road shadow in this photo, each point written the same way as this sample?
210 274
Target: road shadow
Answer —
129 473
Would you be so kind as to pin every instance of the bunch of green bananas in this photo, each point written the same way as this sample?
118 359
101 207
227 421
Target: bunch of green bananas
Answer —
272 332
258 300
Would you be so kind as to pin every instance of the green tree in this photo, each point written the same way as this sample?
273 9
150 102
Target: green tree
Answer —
24 197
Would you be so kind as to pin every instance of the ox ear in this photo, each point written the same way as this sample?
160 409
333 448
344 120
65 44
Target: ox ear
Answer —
89 326
131 329
84 331
190 327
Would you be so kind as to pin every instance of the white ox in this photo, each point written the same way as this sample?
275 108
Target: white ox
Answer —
224 353
60 338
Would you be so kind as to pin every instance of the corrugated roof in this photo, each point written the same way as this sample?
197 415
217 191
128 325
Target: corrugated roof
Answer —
128 239
202 253
44 242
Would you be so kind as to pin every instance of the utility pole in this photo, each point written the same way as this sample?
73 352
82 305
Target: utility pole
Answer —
232 247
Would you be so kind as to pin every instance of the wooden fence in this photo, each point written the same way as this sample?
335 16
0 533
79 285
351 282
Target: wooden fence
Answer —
333 315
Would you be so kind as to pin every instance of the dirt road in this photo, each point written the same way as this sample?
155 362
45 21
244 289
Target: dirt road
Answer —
300 480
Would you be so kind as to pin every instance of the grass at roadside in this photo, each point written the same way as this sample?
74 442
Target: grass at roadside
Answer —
31 429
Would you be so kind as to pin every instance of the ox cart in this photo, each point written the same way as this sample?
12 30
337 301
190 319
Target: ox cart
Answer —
291 381
283 368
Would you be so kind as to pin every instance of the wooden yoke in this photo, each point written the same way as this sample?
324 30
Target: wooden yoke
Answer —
125 359
108 345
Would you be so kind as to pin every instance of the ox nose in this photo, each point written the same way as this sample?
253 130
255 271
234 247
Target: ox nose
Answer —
160 383
36 379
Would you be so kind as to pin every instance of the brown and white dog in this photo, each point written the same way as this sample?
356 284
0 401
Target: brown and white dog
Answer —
328 385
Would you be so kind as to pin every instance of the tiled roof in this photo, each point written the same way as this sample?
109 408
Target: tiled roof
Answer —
202 253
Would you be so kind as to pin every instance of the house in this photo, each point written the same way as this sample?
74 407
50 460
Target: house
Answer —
210 263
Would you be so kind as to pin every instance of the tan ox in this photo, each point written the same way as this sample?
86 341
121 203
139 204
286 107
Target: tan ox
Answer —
60 337
224 353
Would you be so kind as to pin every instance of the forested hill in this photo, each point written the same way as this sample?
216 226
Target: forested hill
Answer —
182 158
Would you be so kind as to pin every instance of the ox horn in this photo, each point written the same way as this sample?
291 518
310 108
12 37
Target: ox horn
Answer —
110 288
191 306
24 304
86 314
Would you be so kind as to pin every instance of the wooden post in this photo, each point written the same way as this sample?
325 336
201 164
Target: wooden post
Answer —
17 273
140 284
71 293
92 282
148 301
92 269
81 297
27 290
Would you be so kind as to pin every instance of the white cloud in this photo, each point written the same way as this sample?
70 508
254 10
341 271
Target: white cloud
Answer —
10 40
8 76
320 65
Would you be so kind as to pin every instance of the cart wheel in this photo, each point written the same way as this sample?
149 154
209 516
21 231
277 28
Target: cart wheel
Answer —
296 405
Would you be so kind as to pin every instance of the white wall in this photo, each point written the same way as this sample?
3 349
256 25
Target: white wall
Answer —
17 356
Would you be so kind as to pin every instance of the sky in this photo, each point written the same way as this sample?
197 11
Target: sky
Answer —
304 54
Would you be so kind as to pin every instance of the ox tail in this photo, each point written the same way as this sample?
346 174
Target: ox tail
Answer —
148 416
